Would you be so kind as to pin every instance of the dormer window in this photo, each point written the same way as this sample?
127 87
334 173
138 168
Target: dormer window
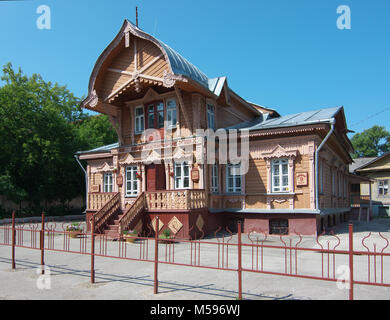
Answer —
210 116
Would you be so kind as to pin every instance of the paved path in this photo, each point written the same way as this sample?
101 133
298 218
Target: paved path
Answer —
122 279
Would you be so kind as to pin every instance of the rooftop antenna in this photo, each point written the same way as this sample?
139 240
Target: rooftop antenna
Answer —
136 16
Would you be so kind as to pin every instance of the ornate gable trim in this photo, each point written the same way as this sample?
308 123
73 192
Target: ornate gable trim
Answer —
105 168
280 152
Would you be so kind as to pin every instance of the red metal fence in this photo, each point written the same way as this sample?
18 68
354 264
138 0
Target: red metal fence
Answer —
326 257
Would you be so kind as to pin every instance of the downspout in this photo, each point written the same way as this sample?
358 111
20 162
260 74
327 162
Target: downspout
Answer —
332 123
86 182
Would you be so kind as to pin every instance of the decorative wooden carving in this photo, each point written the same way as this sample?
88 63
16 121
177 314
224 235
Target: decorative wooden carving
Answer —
95 188
302 179
200 223
175 225
279 152
195 174
160 224
119 180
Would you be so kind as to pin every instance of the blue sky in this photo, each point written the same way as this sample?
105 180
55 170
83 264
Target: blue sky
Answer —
284 54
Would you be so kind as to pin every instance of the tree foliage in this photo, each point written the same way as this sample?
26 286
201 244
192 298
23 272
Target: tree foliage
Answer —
372 142
42 126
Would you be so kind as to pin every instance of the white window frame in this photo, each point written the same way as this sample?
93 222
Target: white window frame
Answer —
279 163
171 114
139 120
179 179
131 177
214 178
384 185
108 185
210 116
235 187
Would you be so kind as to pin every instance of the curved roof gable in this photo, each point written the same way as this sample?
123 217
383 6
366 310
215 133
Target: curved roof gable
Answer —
179 66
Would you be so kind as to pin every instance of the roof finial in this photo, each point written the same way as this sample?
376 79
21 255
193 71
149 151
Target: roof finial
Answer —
136 16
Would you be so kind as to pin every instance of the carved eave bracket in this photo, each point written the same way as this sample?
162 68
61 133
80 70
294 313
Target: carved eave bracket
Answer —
92 100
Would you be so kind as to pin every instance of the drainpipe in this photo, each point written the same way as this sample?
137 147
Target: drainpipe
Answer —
332 123
86 182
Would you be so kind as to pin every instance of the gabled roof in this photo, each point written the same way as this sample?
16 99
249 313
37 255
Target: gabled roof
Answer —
372 161
179 68
359 162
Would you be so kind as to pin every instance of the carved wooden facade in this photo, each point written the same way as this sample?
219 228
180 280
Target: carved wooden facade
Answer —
141 83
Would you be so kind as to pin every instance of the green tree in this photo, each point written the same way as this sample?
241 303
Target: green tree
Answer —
38 140
371 143
96 131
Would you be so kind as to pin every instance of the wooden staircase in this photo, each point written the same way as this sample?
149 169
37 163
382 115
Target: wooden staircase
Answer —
112 229
111 221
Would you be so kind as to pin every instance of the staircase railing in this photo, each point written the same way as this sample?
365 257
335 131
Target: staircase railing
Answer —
96 201
103 216
132 212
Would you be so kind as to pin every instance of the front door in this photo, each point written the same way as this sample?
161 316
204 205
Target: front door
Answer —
155 177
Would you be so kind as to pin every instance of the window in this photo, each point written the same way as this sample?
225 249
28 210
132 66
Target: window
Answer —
279 175
233 178
131 181
182 175
171 113
214 178
155 114
210 116
383 187
278 226
139 120
151 116
107 185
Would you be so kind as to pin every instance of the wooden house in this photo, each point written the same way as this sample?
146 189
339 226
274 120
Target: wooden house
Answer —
297 165
374 190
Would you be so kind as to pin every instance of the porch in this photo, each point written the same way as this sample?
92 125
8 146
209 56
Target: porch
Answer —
164 200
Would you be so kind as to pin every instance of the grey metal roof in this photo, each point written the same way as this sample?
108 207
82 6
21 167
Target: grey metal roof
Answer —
360 162
106 148
181 65
296 119
216 85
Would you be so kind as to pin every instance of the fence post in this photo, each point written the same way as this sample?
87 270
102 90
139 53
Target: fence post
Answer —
93 249
350 261
239 262
42 243
13 241
156 255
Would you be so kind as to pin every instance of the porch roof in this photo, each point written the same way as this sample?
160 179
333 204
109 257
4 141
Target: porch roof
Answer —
106 148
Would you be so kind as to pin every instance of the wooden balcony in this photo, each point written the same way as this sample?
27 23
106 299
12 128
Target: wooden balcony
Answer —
175 200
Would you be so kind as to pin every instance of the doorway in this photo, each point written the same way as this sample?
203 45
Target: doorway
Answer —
155 177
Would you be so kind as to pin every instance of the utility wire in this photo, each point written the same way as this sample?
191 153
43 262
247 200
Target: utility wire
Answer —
370 117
